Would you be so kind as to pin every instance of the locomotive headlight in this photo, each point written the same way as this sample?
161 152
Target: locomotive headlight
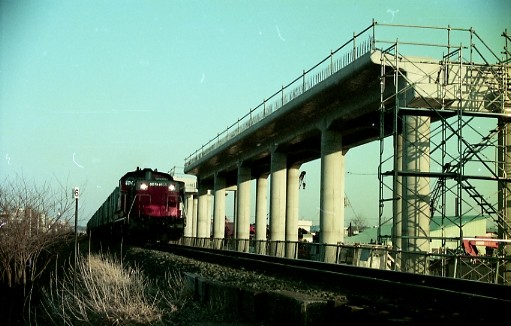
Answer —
143 186
172 187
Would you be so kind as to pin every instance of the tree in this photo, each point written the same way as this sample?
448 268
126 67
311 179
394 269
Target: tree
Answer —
34 222
358 223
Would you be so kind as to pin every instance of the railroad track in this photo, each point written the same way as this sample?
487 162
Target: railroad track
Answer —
468 300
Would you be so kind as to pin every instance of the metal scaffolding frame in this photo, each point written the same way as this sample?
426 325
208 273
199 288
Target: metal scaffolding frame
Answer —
436 158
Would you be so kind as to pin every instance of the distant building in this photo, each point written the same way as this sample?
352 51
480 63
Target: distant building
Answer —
473 226
305 224
304 231
190 183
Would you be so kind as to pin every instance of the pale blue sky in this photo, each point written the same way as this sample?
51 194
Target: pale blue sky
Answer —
92 89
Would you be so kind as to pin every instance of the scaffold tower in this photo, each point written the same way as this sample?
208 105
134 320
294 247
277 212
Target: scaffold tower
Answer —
445 142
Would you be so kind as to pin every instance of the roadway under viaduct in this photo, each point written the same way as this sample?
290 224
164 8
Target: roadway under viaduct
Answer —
349 108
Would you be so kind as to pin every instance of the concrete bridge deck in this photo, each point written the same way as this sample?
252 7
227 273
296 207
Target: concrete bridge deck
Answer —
349 101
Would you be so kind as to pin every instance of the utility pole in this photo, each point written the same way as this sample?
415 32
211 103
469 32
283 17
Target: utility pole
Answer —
76 194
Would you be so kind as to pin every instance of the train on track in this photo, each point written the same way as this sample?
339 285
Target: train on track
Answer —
146 206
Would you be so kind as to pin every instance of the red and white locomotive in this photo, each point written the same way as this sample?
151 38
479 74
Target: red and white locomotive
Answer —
147 205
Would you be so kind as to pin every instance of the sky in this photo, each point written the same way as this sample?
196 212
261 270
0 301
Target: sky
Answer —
89 90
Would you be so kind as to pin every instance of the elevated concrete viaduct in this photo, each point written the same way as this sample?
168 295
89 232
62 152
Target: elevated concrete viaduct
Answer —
324 122
367 95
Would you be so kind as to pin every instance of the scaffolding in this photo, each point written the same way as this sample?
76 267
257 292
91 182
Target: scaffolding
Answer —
445 142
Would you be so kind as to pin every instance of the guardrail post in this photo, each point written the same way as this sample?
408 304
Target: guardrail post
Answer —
282 96
354 46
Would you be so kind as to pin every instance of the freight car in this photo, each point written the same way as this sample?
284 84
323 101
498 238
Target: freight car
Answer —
146 206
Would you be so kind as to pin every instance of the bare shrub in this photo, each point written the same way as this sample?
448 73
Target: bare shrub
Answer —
102 291
33 218
34 225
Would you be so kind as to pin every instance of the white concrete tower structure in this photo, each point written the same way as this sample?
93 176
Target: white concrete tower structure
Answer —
416 198
332 191
203 214
189 215
219 210
195 216
292 207
243 208
261 213
278 188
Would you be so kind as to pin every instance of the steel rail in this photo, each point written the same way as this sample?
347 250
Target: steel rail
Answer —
408 290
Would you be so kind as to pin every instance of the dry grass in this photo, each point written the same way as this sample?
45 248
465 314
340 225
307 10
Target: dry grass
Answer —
103 292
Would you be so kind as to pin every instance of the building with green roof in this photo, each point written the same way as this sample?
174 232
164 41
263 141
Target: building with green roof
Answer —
441 230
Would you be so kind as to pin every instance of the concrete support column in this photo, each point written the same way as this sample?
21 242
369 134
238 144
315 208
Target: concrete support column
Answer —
332 192
243 204
261 213
210 217
504 157
203 214
219 209
278 202
234 192
195 216
416 190
292 209
188 232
